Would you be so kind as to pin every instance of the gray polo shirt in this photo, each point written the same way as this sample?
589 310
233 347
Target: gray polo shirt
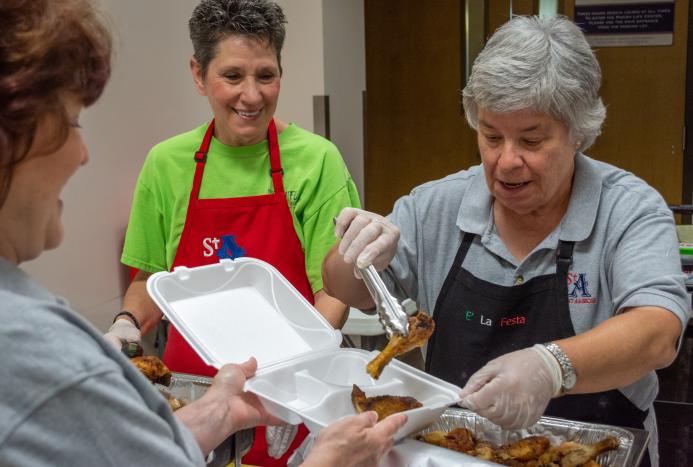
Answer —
68 398
626 250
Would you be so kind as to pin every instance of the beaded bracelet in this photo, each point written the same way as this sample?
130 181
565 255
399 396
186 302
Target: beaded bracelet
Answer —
129 315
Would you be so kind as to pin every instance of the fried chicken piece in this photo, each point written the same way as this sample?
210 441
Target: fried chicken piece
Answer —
434 437
532 451
526 449
421 328
575 454
483 450
173 402
153 368
534 463
550 458
510 462
383 405
459 439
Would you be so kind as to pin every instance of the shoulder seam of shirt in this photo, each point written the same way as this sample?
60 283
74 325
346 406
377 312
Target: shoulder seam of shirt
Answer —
639 189
649 208
452 178
345 186
143 185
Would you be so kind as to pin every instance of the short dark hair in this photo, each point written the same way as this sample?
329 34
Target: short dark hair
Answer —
214 20
47 48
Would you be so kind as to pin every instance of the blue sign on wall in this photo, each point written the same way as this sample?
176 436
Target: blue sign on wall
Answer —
626 23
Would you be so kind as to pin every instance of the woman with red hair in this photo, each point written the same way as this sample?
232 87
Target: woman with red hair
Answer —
68 397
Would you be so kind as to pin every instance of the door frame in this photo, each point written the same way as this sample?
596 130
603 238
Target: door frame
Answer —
687 189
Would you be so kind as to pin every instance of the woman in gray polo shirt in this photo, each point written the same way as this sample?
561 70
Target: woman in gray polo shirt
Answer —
554 279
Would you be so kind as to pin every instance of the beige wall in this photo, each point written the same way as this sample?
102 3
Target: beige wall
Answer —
302 61
345 79
149 98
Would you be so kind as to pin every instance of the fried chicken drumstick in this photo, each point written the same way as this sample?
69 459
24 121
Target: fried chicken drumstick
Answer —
383 405
421 328
524 450
157 372
153 368
571 454
459 439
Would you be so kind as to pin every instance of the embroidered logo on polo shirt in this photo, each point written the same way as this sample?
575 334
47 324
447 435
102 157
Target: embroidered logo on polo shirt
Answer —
225 247
291 196
578 289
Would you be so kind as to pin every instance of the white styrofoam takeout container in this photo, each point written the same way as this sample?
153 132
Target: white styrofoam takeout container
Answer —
234 310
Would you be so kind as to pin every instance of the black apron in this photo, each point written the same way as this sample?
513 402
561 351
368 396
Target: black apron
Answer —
477 321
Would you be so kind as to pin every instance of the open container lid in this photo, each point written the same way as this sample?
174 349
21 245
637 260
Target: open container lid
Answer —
237 309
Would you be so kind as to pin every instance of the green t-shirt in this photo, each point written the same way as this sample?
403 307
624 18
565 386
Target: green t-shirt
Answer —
316 182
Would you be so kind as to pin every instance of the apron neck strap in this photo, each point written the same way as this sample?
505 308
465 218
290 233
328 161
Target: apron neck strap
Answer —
276 170
201 154
564 256
462 250
200 159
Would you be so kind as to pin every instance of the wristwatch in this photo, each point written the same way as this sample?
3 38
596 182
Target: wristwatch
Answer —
569 377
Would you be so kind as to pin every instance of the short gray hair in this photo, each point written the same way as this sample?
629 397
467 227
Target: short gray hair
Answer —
214 20
543 64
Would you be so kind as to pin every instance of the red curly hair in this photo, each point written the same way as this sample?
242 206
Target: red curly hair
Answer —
47 48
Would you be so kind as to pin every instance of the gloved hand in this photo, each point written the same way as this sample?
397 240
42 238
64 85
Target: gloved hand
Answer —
367 238
514 389
122 331
279 438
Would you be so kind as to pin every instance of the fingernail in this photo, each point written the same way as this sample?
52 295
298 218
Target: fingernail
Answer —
337 231
363 261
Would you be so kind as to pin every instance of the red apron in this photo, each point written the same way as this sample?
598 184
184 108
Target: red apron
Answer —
256 226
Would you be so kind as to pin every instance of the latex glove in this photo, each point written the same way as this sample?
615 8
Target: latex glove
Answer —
279 438
355 441
122 331
514 389
367 238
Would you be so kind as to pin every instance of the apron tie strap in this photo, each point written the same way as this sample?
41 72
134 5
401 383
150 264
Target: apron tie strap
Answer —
564 256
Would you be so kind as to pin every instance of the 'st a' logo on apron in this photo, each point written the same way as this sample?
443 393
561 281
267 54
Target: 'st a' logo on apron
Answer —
225 247
229 248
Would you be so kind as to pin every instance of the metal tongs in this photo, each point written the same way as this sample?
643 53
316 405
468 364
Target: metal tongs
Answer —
391 313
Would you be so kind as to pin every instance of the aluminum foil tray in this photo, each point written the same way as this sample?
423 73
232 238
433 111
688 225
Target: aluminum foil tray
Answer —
557 430
188 388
